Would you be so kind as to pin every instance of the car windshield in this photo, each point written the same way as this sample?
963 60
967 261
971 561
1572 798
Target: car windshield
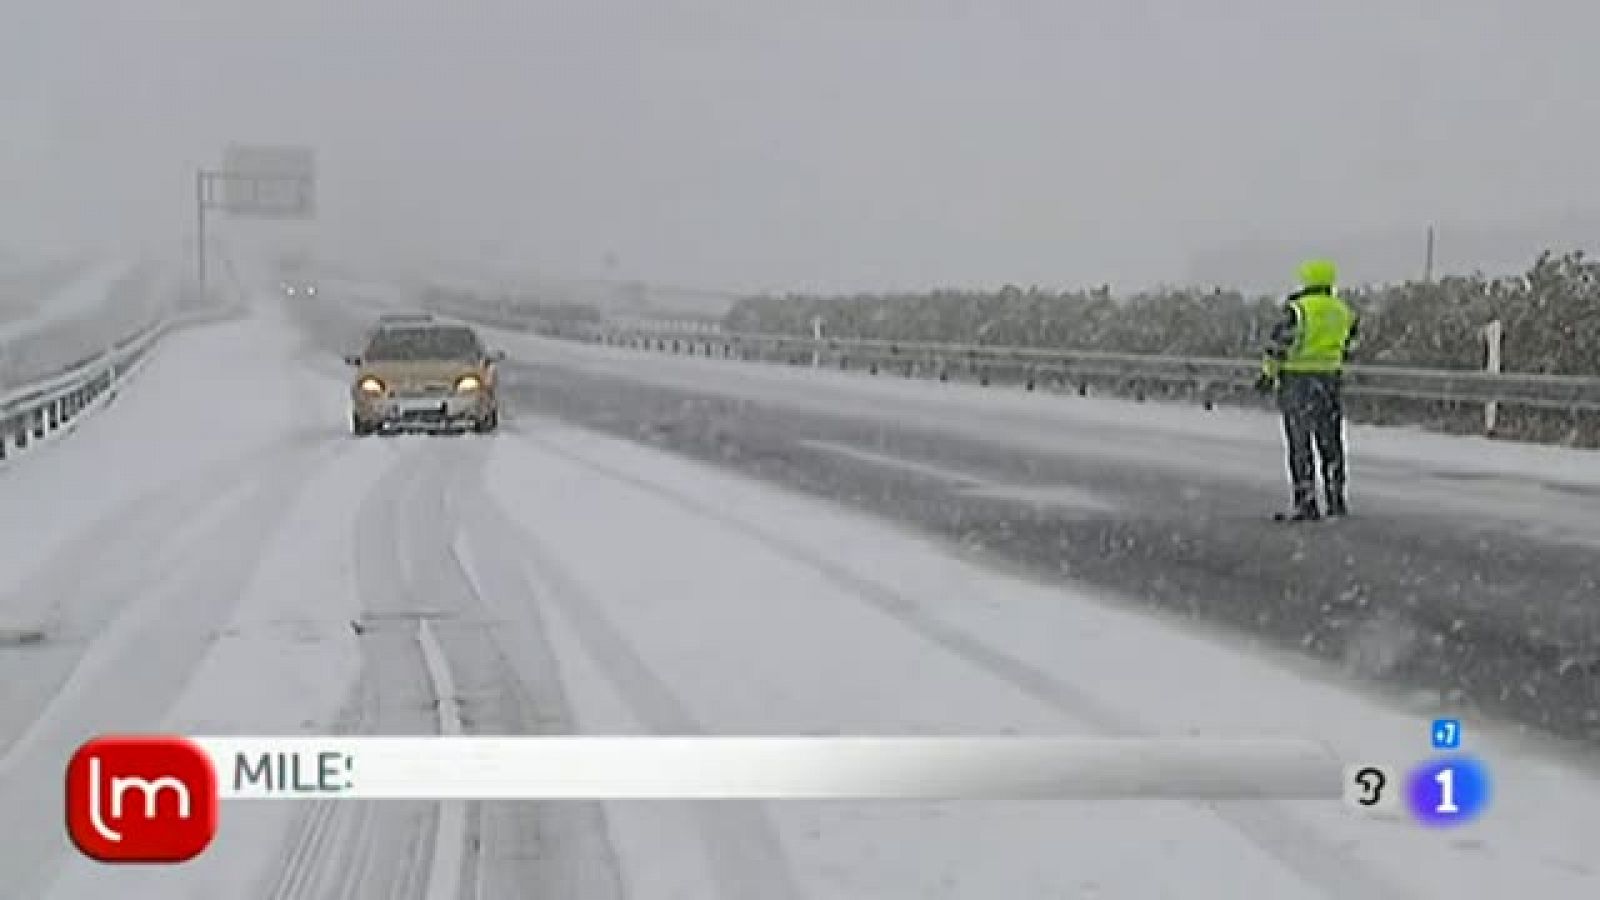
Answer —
393 344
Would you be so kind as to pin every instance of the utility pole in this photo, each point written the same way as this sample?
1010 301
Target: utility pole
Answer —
1427 266
200 182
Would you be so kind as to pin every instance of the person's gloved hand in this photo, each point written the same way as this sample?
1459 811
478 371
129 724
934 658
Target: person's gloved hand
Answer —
1267 381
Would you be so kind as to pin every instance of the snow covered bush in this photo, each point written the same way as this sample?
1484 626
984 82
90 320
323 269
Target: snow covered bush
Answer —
1551 318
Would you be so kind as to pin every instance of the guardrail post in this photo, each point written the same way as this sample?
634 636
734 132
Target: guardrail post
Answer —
1494 337
38 423
53 414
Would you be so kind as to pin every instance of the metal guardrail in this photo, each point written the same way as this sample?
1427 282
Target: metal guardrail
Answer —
33 411
1206 378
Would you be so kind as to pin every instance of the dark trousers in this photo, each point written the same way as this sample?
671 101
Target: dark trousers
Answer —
1313 415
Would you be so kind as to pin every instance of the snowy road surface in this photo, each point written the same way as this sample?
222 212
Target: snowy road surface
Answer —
239 564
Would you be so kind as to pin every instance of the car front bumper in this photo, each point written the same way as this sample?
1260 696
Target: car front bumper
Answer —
424 413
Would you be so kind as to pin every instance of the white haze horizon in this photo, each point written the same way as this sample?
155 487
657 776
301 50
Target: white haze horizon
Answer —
836 146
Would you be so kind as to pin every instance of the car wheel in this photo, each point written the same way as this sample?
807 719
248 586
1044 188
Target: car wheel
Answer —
489 422
358 427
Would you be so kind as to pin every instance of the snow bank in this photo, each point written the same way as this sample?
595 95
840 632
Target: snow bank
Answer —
284 665
251 596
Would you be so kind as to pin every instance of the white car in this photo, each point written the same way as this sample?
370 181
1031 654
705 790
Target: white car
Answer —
424 376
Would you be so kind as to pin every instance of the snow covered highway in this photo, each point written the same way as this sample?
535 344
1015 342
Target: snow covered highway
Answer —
1467 575
653 545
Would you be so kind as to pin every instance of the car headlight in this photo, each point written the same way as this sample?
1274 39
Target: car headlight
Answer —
371 386
468 383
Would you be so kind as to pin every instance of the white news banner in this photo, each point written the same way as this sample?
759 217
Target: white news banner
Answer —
628 767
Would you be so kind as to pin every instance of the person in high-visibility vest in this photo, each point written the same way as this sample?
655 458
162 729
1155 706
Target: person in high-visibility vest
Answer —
1304 365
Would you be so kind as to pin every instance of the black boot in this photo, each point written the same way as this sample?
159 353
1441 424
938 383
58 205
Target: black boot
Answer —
1305 506
1336 504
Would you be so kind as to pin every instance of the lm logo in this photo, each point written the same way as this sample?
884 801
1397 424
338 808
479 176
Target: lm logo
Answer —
141 799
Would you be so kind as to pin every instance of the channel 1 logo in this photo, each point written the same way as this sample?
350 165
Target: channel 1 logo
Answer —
1448 792
141 799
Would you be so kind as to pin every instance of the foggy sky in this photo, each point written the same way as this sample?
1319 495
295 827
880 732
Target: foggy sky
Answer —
830 144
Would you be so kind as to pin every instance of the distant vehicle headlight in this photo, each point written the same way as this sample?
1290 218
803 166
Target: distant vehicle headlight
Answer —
371 386
468 383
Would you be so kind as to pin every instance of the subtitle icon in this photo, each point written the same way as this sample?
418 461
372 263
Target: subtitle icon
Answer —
1446 734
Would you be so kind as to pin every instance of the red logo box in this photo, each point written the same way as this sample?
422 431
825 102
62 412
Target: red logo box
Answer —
141 799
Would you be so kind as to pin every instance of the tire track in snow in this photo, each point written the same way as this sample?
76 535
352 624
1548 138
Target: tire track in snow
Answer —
746 854
334 846
362 850
409 572
120 682
1318 862
320 826
510 684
